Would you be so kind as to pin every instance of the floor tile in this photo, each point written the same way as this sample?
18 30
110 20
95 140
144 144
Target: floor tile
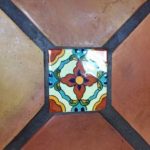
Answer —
77 132
77 79
21 80
131 79
76 22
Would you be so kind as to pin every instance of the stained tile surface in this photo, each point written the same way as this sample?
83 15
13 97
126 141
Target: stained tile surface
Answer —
78 22
77 132
131 79
21 80
77 79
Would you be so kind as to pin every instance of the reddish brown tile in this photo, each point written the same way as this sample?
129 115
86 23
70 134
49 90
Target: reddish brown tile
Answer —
131 79
78 22
77 132
21 80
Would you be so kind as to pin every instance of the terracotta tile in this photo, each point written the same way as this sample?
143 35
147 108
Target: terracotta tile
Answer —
21 80
77 79
131 79
77 132
76 22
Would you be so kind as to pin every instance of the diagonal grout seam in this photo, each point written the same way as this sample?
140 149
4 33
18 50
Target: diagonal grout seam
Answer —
26 25
41 41
110 114
32 127
123 32
126 131
38 120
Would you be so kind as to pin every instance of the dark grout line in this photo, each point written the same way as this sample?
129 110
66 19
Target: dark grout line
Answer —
46 57
32 127
109 71
123 127
128 27
110 114
40 40
34 34
25 25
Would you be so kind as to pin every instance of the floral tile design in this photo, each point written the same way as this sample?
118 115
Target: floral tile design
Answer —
77 80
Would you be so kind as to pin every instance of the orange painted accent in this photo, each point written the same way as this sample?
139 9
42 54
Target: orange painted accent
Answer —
56 105
55 55
101 103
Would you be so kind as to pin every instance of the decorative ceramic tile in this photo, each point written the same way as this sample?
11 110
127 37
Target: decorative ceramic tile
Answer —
77 80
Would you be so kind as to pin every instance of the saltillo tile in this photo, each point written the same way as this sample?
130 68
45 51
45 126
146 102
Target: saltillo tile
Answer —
21 80
78 22
131 79
77 132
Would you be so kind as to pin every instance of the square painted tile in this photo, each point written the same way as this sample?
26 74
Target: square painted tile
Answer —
77 80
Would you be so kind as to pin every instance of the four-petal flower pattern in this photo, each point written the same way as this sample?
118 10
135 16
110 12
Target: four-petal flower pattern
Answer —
79 80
